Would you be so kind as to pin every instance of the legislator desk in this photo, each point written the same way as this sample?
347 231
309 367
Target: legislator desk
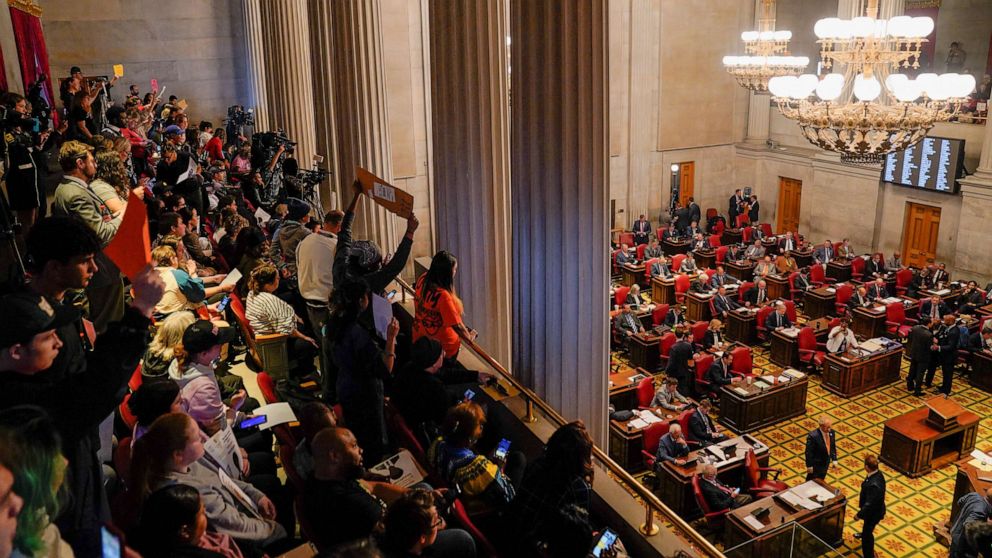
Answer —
697 307
675 481
742 270
948 295
775 537
731 236
820 302
804 258
741 325
981 370
929 438
643 314
851 374
631 274
839 269
778 286
767 400
627 439
643 348
868 322
973 475
671 247
770 244
705 259
623 387
662 290
784 344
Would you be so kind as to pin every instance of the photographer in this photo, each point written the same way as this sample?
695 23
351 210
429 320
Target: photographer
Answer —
176 171
25 165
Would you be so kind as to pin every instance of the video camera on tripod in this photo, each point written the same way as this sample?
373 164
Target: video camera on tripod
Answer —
237 119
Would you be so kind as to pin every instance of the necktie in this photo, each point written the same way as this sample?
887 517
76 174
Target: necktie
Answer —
778 319
826 442
933 311
761 296
843 345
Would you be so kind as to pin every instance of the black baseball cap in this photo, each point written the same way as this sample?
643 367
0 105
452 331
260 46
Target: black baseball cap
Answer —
203 334
26 314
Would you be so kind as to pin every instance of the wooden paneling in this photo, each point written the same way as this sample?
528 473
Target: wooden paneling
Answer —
687 177
919 238
789 202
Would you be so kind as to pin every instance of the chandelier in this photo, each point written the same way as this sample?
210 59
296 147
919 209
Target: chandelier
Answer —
767 54
870 110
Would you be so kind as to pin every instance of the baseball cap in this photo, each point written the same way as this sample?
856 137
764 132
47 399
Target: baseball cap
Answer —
203 334
425 352
27 314
173 130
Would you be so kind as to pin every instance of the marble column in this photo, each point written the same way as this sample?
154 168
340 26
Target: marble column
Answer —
351 87
559 157
971 256
470 110
288 73
255 50
759 107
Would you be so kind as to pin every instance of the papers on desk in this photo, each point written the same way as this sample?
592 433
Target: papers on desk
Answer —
753 522
942 292
768 379
790 331
793 373
636 424
798 502
872 345
649 417
812 491
636 378
891 299
760 385
981 460
831 290
740 390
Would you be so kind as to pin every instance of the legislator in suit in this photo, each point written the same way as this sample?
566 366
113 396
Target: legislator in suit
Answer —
660 269
678 364
821 450
946 338
671 447
776 320
719 496
823 254
756 295
933 309
642 230
920 339
703 429
722 304
871 505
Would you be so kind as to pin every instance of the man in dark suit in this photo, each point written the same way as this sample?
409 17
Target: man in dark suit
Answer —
825 253
858 300
660 268
980 341
700 284
752 214
675 316
734 207
719 496
721 278
627 323
787 243
920 340
877 291
871 505
683 218
702 428
757 295
945 346
719 373
678 362
778 319
933 309
971 299
694 212
642 230
671 233
874 267
722 304
821 450
939 275
672 447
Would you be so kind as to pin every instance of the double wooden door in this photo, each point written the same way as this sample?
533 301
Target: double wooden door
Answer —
790 193
687 172
919 237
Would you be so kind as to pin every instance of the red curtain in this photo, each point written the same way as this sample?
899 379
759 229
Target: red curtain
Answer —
32 53
3 74
929 50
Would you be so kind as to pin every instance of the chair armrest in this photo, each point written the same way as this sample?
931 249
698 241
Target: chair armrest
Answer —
692 442
909 320
804 352
270 338
821 346
650 459
894 324
771 470
714 515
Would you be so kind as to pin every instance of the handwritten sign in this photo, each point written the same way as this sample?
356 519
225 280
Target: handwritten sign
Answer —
385 194
118 70
131 248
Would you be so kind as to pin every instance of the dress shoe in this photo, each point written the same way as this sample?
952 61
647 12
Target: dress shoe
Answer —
857 536
918 393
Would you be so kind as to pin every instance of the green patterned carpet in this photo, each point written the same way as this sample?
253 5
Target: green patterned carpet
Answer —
914 505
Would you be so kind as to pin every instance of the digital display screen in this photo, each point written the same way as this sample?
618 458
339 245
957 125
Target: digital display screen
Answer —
932 164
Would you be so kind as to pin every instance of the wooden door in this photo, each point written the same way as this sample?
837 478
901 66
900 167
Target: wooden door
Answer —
919 237
790 193
687 173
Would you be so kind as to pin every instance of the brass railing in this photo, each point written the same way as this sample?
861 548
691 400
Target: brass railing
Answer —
652 505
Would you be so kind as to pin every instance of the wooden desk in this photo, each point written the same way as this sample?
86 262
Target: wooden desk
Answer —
741 326
705 259
770 244
675 481
778 287
981 371
731 236
626 443
742 270
759 407
820 302
947 299
623 390
776 537
839 270
697 307
671 247
985 310
785 348
848 375
631 274
644 349
803 258
869 322
913 447
662 290
965 482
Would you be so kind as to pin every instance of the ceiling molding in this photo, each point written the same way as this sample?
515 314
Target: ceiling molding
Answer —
28 6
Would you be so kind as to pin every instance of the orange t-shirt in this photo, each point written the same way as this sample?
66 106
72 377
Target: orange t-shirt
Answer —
437 313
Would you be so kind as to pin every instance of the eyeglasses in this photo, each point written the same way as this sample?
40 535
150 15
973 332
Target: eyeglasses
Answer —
438 522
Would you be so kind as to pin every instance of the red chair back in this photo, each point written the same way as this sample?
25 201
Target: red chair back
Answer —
763 314
485 547
741 362
746 235
816 274
741 220
904 277
620 295
653 435
647 269
751 472
268 388
683 420
790 310
122 458
714 241
698 493
640 251
833 323
627 238
721 254
743 289
766 228
136 378
857 267
658 314
677 262
844 293
405 438
658 232
895 312
682 283
703 364
807 339
718 228
126 415
698 331
665 345
645 391
792 282
286 457
711 213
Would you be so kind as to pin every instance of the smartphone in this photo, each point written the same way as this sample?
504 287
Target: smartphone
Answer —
223 304
469 394
391 294
111 543
502 449
605 542
252 421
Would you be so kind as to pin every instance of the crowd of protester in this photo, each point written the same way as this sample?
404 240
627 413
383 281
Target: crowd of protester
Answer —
118 406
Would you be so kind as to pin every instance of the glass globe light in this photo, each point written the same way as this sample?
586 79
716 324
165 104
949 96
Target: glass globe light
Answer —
866 88
830 87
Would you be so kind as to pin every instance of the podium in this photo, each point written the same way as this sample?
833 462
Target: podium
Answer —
929 438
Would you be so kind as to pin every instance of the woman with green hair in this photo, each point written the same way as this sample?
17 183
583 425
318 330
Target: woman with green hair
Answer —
33 448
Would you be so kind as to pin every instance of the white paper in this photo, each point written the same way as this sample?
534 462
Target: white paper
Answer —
233 277
891 299
223 447
981 456
740 390
650 418
382 313
401 469
262 216
831 290
768 379
760 385
637 424
942 292
753 523
275 414
236 491
190 171
812 490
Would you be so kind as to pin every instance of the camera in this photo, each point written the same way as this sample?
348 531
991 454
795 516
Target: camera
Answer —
238 116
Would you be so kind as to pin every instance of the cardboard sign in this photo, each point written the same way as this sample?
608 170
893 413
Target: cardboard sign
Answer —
154 85
118 70
131 248
385 194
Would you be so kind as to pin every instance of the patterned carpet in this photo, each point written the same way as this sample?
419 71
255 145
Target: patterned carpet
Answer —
914 505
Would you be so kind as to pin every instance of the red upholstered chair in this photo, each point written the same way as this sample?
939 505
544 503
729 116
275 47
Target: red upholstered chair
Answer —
721 254
790 310
647 269
758 483
665 347
681 287
652 435
658 232
136 378
743 289
620 295
844 293
268 388
834 322
677 262
683 421
741 363
640 251
711 213
718 228
763 333
837 246
714 519
794 293
287 458
903 278
741 220
703 363
897 325
698 330
858 268
627 238
484 547
125 411
714 241
746 235
658 314
818 277
645 392
809 352
766 228
401 432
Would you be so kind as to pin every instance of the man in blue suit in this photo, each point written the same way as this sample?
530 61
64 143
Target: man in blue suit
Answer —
821 450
